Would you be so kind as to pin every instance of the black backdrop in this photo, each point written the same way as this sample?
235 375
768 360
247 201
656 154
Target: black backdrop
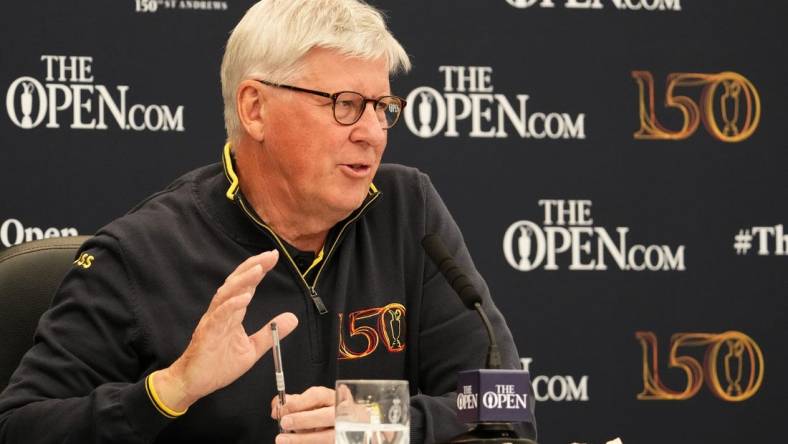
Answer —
682 228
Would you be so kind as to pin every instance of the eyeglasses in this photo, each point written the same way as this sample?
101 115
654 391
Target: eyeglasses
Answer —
348 106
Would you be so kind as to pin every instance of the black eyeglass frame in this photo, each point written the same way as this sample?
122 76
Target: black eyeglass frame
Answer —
333 97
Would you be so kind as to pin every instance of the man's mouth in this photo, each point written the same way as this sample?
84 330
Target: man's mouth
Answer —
356 169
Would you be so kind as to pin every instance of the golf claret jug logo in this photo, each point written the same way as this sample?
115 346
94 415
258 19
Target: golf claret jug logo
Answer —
468 94
569 229
69 95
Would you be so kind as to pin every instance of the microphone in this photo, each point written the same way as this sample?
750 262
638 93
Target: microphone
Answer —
437 251
493 398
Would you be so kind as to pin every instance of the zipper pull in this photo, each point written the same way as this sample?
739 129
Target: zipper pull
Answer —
321 307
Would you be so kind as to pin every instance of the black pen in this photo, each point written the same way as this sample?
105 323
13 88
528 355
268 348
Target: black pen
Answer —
278 371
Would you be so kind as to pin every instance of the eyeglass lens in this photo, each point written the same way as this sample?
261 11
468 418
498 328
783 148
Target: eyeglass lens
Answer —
350 105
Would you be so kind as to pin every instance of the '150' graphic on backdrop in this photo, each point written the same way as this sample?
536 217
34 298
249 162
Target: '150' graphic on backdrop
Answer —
732 366
727 95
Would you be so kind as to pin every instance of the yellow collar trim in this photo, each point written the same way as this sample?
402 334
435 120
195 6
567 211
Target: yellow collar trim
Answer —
317 260
229 171
227 161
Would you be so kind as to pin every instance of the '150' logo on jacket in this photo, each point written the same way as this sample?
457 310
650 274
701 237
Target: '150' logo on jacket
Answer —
367 328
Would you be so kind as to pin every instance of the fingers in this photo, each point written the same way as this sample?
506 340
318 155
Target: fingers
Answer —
217 323
344 394
233 308
237 282
318 437
309 420
310 415
312 398
267 259
263 341
245 277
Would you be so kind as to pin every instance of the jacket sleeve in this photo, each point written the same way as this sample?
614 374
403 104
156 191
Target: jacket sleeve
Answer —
452 338
82 380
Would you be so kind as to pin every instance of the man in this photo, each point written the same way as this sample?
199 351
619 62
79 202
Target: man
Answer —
136 348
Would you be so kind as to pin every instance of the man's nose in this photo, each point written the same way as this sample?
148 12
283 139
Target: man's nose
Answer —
369 128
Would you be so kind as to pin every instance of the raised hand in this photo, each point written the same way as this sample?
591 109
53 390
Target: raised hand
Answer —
220 350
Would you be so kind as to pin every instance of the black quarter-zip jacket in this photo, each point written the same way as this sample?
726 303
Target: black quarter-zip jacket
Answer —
378 308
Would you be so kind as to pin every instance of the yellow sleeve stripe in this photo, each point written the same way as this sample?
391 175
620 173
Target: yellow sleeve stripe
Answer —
154 398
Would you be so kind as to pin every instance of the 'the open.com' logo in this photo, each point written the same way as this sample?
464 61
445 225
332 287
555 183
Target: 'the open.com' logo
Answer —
469 105
69 92
625 5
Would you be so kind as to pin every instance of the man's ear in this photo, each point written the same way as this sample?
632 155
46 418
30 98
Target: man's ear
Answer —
249 106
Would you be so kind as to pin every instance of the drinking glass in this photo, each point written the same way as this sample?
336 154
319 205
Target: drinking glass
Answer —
372 411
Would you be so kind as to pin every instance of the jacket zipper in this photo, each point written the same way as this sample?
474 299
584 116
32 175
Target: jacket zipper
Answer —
321 307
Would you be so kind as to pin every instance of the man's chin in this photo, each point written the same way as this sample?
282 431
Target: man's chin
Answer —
346 204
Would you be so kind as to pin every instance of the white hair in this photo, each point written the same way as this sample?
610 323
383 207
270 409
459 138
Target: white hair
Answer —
274 35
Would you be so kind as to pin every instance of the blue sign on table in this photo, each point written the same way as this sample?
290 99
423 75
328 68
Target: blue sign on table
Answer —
494 395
